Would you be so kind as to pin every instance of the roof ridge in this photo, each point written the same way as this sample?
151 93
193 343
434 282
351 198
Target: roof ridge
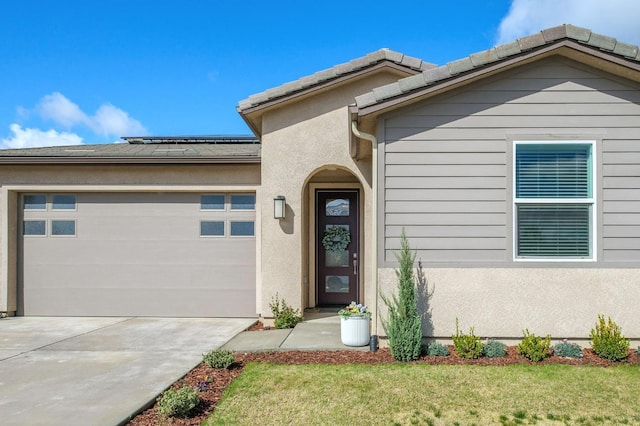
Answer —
334 72
499 53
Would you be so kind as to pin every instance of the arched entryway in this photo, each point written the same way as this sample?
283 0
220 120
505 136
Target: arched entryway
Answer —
334 209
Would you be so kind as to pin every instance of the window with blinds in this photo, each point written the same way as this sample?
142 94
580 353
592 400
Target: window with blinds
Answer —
554 200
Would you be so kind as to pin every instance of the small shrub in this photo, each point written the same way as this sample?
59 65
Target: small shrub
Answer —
178 403
534 347
284 315
468 346
567 350
494 349
607 340
638 350
437 349
220 358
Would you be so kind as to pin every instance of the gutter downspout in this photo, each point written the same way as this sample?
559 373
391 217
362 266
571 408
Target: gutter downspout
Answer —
374 210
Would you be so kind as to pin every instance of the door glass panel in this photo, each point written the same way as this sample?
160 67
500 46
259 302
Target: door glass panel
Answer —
336 284
337 207
337 258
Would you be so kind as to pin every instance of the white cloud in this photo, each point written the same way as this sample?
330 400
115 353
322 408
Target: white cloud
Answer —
58 108
31 138
615 18
108 120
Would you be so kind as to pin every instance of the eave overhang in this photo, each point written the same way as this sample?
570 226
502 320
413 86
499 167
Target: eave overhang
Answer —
252 114
126 160
367 114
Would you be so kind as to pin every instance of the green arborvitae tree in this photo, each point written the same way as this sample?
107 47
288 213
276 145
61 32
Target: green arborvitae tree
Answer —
403 325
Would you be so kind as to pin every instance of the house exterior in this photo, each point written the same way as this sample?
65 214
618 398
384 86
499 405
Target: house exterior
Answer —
514 172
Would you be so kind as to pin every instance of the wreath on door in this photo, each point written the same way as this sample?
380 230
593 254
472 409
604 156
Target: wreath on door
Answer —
336 239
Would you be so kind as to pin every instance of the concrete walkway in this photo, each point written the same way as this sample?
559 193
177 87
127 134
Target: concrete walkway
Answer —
318 332
97 371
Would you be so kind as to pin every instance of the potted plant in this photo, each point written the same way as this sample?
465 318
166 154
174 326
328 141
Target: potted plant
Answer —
354 325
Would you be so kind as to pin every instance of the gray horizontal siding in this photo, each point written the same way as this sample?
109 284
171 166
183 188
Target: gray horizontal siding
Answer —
499 133
446 230
445 162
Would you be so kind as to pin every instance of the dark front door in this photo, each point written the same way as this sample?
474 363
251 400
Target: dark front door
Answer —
336 265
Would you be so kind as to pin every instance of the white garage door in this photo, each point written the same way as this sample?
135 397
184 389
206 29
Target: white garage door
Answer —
137 254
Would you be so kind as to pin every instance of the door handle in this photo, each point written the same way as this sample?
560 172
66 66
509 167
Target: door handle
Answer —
355 267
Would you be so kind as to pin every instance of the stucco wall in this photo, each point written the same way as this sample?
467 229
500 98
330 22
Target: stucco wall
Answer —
501 302
300 140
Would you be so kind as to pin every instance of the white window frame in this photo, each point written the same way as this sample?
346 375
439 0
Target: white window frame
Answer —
592 201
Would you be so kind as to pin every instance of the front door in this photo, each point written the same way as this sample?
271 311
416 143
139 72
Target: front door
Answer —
337 249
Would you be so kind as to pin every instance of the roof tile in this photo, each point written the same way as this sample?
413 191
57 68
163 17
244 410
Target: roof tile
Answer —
508 49
331 73
624 49
410 83
365 99
484 57
436 74
531 42
324 75
577 33
460 66
411 62
375 57
307 81
555 33
360 63
479 59
344 68
387 91
602 42
394 56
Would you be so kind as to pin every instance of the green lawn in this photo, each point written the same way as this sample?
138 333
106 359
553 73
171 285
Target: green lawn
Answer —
412 394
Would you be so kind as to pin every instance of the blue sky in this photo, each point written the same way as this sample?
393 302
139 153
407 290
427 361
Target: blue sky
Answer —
90 72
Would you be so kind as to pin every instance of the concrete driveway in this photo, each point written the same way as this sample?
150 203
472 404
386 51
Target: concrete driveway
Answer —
97 371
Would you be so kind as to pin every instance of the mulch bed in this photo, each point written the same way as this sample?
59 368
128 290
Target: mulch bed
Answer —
219 379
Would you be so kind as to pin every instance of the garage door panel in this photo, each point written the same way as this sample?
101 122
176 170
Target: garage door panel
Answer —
139 255
132 252
140 276
143 302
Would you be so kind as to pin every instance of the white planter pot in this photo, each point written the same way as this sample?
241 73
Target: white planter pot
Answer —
354 330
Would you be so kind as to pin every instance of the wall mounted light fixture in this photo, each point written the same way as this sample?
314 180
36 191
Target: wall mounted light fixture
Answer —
279 206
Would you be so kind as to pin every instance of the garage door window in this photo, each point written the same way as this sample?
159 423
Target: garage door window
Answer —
243 202
64 202
35 202
63 228
212 202
242 229
34 228
211 228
